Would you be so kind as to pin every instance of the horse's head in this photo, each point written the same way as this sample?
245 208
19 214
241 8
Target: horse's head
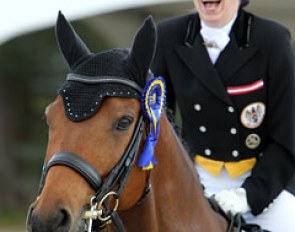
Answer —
95 126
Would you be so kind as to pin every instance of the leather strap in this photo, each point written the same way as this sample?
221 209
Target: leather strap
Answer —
118 176
115 179
78 164
104 80
117 221
236 223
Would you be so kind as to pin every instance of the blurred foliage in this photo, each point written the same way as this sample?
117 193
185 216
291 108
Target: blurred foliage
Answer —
11 217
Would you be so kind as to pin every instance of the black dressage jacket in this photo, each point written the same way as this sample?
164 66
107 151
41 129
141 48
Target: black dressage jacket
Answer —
213 120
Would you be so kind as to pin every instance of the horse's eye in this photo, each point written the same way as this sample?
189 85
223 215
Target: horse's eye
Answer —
124 123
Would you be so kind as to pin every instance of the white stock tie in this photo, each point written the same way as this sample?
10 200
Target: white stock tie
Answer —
215 41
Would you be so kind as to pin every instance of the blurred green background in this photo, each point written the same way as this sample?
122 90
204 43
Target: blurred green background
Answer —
31 71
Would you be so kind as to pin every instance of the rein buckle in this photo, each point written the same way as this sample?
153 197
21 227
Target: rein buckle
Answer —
102 207
91 214
96 211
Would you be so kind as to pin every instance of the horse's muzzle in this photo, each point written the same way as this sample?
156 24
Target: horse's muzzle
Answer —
58 221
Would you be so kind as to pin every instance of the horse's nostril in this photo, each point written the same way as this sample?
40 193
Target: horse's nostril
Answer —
60 221
65 220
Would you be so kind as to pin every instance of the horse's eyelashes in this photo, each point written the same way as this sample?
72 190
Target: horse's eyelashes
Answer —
123 123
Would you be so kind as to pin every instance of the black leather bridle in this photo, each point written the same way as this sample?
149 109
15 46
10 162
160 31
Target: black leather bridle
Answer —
116 179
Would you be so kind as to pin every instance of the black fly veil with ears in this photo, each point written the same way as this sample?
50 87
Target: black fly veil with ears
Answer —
83 96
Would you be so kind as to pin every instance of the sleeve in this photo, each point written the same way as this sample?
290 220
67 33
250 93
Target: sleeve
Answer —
160 68
277 165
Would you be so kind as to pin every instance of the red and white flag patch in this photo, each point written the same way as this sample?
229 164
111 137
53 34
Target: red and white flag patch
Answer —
243 89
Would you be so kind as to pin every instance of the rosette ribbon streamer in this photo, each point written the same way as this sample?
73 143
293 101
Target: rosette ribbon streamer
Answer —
153 100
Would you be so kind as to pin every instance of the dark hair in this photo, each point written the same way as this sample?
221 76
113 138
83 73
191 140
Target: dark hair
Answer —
244 2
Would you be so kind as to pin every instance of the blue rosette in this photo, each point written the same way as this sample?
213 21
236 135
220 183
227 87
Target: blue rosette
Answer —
153 101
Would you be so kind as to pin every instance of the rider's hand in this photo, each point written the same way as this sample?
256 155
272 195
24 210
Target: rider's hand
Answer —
233 201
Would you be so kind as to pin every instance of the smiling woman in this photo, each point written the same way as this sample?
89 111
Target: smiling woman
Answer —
217 13
232 76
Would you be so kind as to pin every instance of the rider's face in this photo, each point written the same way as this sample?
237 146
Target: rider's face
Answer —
217 13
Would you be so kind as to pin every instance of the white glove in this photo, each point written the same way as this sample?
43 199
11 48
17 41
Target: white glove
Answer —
233 201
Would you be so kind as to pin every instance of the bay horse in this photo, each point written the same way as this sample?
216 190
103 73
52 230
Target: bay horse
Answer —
90 177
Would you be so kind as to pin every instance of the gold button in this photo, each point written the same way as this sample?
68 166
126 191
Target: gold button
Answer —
252 141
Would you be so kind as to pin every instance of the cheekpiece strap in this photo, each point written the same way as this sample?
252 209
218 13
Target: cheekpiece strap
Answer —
153 101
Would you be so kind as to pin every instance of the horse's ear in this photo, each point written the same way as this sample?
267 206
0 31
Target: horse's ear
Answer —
143 48
70 44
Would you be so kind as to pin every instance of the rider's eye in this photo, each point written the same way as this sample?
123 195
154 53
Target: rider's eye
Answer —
123 123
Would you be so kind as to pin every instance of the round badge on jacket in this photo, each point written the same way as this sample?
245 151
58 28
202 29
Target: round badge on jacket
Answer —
253 114
252 141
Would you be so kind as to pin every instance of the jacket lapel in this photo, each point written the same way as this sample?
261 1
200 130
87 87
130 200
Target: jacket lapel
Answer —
233 58
197 60
239 49
235 55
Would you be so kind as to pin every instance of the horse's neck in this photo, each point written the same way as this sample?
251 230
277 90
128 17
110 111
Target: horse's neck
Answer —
176 201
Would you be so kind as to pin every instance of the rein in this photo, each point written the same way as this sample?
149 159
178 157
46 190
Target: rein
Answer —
113 184
236 223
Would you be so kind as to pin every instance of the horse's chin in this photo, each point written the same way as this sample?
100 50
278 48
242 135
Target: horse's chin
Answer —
29 215
80 226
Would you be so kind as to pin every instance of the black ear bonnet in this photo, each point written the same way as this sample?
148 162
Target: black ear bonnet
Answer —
88 82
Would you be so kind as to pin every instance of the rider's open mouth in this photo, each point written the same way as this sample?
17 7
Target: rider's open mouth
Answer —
211 3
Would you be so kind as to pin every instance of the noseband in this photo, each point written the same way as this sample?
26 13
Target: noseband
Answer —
114 182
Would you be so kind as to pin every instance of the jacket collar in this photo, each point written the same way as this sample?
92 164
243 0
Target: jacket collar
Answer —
213 77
